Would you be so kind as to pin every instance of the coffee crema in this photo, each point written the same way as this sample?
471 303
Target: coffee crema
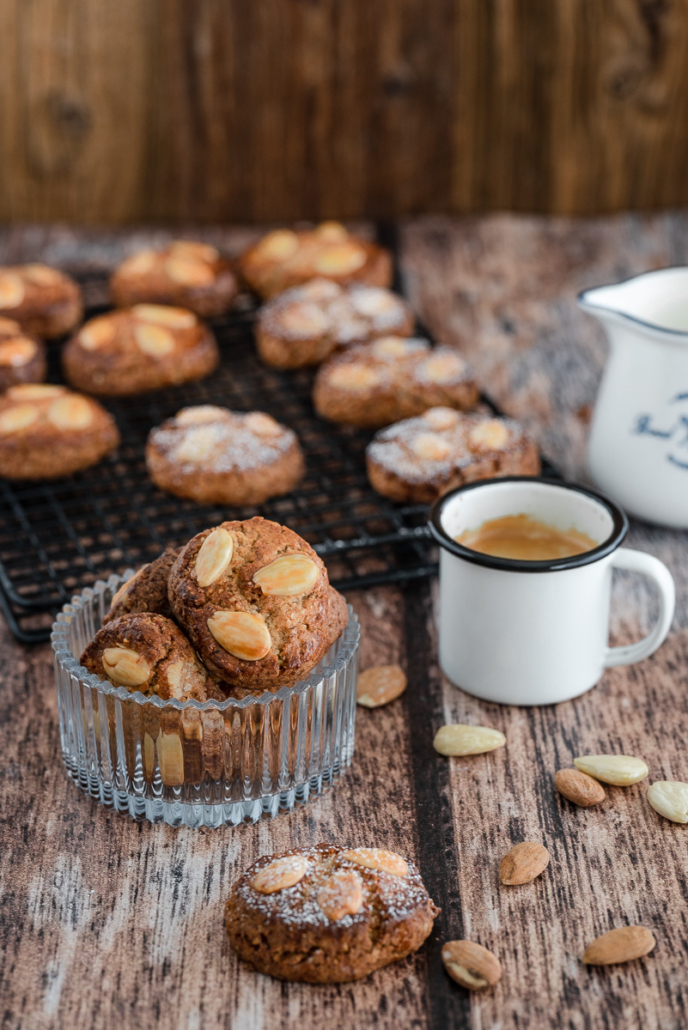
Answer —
524 538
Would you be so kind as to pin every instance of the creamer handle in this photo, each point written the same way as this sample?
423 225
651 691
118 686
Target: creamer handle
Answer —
654 569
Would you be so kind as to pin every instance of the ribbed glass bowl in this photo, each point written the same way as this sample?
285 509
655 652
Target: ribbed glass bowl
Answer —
192 764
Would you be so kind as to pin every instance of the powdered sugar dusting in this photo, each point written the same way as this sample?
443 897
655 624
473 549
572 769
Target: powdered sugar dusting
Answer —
213 439
403 448
391 899
346 314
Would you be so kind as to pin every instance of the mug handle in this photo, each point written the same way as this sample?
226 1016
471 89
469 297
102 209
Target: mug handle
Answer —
654 569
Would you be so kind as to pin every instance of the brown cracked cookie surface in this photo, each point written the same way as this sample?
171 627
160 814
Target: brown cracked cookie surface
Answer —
22 358
186 274
304 325
216 456
146 591
328 914
148 653
285 258
391 379
146 347
44 302
420 459
254 599
49 431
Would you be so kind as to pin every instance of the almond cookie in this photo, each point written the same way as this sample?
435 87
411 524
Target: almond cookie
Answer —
304 325
146 347
186 274
216 456
327 914
22 358
254 599
420 459
390 379
284 258
49 431
146 591
43 301
148 653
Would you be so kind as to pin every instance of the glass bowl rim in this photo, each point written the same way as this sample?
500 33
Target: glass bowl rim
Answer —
349 641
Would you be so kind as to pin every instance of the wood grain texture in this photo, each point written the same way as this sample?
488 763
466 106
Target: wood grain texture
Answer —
224 110
106 923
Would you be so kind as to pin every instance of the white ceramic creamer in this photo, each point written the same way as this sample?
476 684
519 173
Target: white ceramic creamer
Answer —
638 445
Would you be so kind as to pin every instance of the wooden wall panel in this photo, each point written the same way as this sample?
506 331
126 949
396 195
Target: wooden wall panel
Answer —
222 110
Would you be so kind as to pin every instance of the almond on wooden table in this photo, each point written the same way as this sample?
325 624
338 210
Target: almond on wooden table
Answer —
380 685
670 799
471 965
456 739
579 788
619 770
620 945
524 863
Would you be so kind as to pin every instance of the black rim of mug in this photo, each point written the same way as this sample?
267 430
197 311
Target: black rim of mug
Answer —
616 537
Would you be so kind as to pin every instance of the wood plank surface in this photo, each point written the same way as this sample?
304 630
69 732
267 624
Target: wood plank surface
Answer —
108 923
226 110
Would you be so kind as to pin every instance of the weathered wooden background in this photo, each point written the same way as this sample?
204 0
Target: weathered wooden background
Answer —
106 924
279 109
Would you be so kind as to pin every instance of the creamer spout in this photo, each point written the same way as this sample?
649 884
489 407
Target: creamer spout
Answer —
652 303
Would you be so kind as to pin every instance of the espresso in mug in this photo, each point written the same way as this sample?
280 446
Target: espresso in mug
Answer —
524 538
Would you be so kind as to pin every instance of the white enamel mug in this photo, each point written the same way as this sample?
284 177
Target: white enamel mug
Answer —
535 632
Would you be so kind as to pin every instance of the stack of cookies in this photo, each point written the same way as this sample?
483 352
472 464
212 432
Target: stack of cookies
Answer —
243 608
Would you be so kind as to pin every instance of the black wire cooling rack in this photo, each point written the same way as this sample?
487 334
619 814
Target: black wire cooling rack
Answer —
58 537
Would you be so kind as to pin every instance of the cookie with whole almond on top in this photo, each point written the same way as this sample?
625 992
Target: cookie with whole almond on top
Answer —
45 302
306 324
184 274
328 914
255 600
285 258
49 431
216 456
391 379
420 459
146 347
22 358
148 653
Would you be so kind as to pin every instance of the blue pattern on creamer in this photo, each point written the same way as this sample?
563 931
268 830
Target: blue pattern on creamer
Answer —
672 426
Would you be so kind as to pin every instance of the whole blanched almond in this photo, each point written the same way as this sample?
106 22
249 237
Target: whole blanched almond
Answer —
97 333
525 862
471 965
578 787
620 945
11 290
431 447
241 634
154 340
619 770
189 271
17 418
378 858
125 666
287 576
214 556
72 412
380 685
670 799
458 739
341 895
279 874
161 314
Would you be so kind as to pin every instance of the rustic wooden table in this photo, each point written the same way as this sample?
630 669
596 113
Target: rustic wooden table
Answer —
109 923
